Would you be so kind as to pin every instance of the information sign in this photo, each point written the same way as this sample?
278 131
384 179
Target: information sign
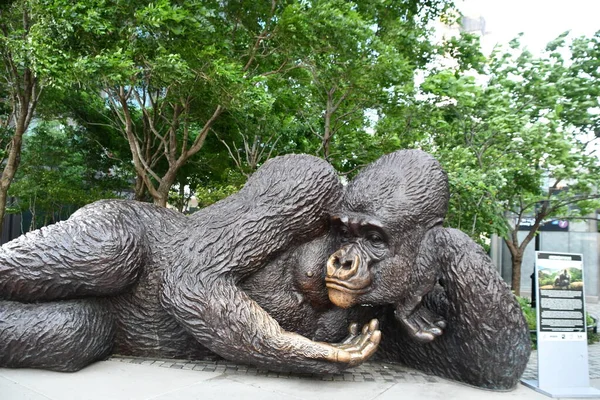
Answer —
561 330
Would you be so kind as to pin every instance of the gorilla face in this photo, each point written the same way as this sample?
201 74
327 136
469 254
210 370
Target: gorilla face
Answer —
364 242
385 214
373 265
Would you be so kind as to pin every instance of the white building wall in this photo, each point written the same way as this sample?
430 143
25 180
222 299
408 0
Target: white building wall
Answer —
577 240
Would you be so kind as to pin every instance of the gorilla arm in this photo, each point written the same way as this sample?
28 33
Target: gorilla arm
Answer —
237 328
487 341
285 203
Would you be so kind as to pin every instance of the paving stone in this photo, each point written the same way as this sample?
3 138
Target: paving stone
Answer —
367 372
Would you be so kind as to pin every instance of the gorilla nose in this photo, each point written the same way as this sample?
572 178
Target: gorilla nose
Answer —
341 266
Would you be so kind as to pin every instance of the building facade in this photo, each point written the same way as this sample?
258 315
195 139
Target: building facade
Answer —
577 237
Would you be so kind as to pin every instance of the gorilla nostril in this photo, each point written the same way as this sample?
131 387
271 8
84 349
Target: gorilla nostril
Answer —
336 263
347 264
342 266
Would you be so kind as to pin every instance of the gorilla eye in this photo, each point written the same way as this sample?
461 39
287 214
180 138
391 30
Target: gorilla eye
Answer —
375 239
344 233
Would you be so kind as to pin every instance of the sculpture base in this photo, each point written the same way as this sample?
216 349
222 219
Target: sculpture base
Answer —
588 392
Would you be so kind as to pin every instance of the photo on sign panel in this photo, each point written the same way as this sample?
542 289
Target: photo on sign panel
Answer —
560 278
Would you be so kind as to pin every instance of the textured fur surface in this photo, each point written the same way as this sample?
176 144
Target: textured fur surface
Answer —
244 279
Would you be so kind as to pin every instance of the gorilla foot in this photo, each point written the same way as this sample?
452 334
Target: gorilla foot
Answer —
357 348
422 324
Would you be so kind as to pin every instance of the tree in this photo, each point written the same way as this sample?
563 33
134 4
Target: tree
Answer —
167 70
355 58
60 172
20 89
511 137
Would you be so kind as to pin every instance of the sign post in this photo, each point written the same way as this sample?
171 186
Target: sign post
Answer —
561 327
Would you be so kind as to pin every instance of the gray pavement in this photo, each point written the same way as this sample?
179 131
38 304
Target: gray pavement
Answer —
125 378
117 380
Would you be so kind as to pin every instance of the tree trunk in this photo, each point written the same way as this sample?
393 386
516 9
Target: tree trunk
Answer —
181 204
140 188
516 256
161 194
161 199
3 194
12 163
327 135
32 224
517 260
330 109
25 92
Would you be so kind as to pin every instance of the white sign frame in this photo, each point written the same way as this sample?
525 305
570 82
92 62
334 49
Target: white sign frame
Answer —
563 369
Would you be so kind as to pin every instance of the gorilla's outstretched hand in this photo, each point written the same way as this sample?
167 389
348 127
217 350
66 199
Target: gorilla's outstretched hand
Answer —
357 347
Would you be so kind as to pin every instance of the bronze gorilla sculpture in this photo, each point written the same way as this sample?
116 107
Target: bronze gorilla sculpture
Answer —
270 276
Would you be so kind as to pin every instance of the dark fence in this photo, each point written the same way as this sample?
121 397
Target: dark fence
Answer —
11 227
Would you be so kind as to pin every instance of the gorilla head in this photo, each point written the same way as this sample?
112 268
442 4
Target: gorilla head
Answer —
385 213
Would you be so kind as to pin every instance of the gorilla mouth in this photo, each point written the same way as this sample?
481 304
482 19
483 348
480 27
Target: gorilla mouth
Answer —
344 286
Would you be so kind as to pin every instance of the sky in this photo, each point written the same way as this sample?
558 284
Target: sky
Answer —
540 20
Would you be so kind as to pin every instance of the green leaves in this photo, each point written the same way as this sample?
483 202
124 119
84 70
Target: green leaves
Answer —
58 175
288 75
511 127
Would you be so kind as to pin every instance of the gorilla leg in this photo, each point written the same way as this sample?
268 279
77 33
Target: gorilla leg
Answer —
486 342
98 251
60 336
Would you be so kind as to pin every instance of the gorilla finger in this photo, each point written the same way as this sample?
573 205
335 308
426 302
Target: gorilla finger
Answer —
426 325
374 325
371 327
353 334
435 331
353 329
366 338
411 326
349 343
423 323
368 350
441 324
365 329
375 338
423 336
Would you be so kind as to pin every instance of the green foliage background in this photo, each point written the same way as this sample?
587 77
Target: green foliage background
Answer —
130 87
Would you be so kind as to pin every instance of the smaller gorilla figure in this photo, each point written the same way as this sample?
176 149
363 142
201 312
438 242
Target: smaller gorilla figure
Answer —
451 314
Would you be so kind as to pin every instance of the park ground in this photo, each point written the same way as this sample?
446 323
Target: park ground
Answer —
122 378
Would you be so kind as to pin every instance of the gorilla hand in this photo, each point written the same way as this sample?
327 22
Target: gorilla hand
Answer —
357 348
422 324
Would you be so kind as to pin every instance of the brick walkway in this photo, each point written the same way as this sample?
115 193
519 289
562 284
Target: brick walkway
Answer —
367 372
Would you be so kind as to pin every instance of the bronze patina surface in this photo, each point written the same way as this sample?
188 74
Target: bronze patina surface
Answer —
281 275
